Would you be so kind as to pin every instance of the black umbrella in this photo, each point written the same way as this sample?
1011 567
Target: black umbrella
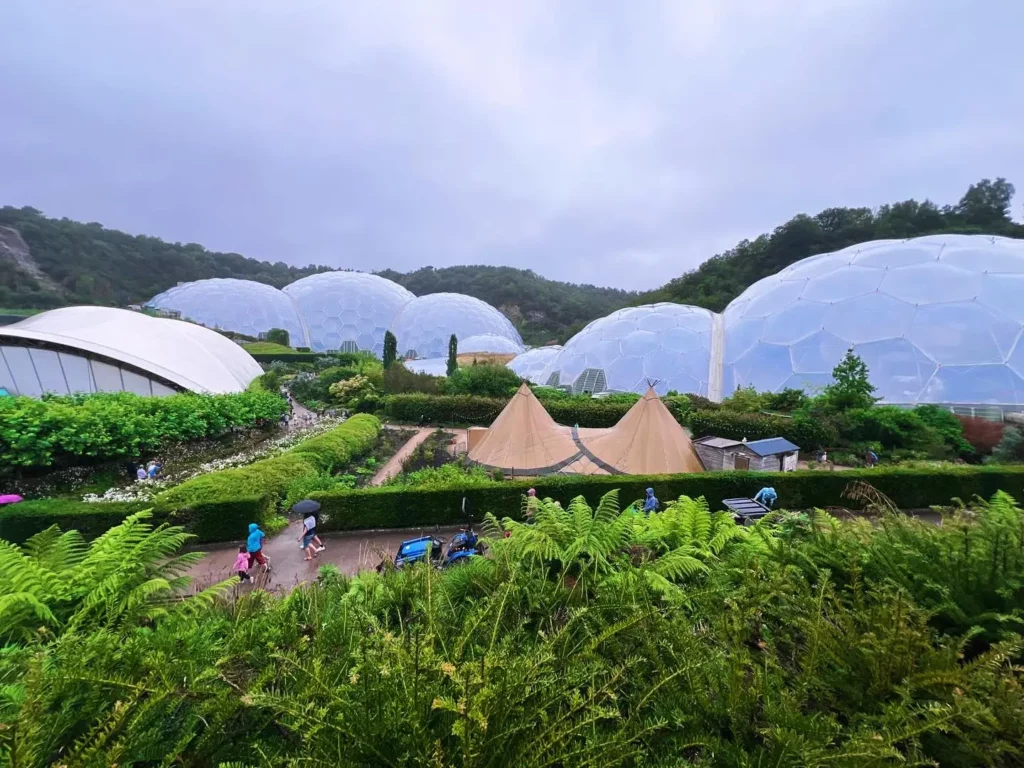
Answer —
306 507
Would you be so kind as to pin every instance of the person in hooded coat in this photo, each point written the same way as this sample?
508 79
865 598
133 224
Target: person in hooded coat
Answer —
650 502
254 546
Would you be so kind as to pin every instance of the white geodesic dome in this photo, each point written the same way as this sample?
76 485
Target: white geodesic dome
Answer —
490 343
242 306
425 324
936 319
668 344
347 311
534 365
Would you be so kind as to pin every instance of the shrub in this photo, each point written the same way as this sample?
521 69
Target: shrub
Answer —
278 336
445 476
399 380
1010 449
982 434
895 429
745 400
398 507
209 521
808 433
787 401
948 427
98 427
484 380
442 409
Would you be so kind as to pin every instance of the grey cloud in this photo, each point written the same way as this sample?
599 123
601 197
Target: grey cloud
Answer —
620 147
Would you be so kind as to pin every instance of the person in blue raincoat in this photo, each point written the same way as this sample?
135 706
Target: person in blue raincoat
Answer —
766 496
650 502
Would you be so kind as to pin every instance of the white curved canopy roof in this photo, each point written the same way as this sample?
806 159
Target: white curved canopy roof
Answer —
188 355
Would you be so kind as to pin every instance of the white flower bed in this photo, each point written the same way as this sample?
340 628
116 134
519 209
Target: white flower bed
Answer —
144 490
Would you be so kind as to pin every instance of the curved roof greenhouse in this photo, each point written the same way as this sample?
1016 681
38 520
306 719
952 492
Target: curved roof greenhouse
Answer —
425 324
347 311
99 349
242 306
668 345
936 319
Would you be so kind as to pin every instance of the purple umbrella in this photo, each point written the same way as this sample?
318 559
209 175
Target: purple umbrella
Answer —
10 498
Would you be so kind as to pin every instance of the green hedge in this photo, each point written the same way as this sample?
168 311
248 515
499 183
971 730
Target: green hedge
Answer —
286 357
96 427
209 521
396 507
273 476
215 507
809 434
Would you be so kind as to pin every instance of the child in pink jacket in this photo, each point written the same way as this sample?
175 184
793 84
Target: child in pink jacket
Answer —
241 566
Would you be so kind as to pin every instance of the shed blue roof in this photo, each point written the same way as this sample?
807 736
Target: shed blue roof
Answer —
771 446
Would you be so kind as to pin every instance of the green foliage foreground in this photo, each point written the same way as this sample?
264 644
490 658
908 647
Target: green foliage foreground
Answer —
591 637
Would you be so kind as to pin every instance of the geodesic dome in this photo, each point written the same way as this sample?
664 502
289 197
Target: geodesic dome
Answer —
242 306
347 311
490 343
534 365
425 324
432 366
936 319
668 344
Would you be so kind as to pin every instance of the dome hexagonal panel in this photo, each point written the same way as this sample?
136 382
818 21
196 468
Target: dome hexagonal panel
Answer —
534 365
242 306
668 342
425 324
489 343
936 319
342 309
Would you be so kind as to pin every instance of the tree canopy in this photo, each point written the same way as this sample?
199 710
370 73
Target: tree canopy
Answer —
984 209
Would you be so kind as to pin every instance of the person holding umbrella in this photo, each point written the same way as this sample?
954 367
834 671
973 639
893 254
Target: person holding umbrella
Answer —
308 509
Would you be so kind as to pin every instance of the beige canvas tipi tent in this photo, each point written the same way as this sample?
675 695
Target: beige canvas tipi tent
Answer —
646 441
525 440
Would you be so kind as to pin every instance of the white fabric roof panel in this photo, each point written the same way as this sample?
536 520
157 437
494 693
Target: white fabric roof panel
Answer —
188 355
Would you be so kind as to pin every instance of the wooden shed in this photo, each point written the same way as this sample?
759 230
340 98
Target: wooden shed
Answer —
774 454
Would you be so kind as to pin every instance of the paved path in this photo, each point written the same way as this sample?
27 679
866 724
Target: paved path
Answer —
351 552
394 464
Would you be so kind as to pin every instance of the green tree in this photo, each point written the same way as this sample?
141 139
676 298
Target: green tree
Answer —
987 203
483 380
453 355
851 388
278 336
1010 449
390 349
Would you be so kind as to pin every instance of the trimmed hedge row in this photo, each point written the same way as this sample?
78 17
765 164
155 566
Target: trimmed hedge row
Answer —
273 476
286 357
396 507
808 433
209 521
215 507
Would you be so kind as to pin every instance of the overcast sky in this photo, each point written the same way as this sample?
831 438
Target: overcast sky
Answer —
619 143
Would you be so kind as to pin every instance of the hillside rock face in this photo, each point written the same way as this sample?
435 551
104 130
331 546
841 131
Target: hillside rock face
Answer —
14 249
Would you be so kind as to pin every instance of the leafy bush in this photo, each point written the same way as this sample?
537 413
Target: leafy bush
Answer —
208 521
1010 449
278 336
399 380
445 476
897 429
745 400
97 427
484 380
787 401
949 427
357 393
983 435
397 507
807 432
442 409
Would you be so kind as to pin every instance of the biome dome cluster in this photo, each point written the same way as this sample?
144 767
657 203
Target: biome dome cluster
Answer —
345 311
937 319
